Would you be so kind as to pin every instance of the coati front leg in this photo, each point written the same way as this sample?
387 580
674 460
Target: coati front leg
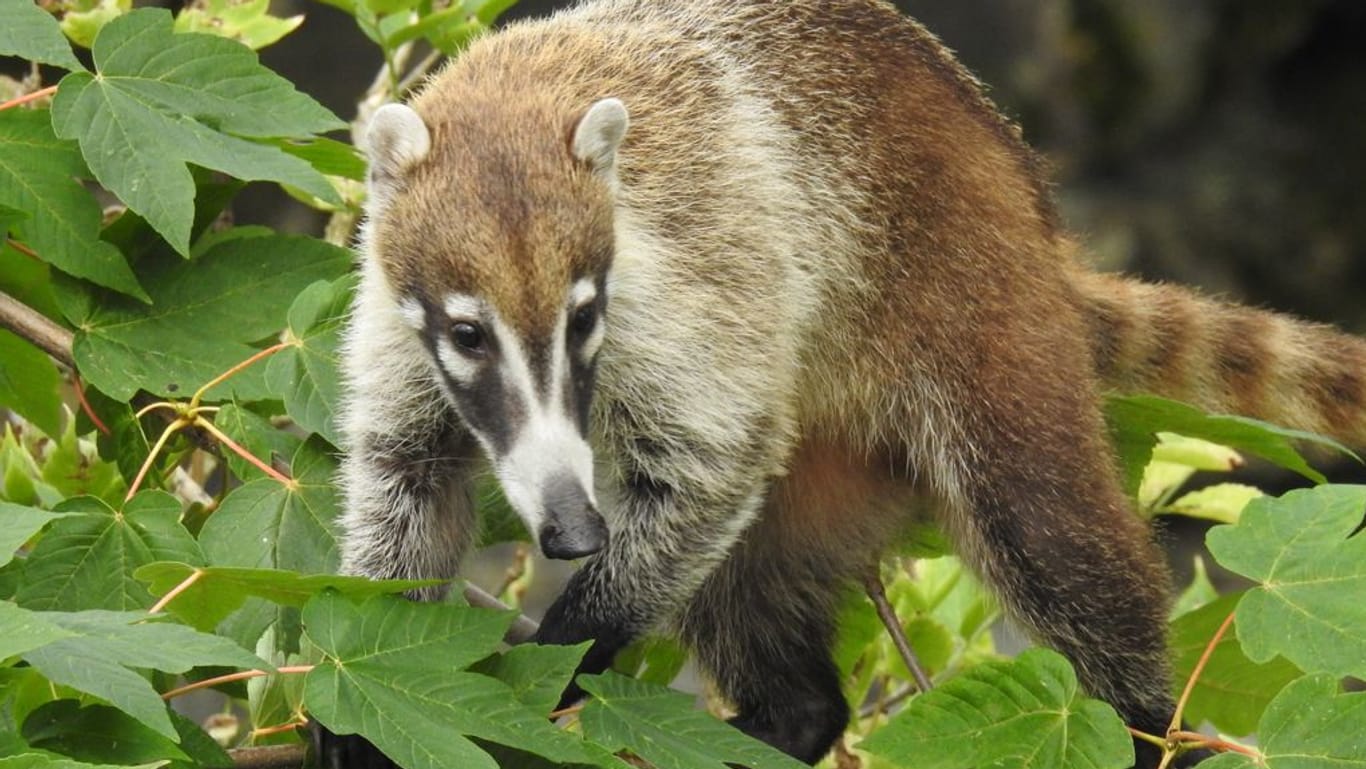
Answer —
670 530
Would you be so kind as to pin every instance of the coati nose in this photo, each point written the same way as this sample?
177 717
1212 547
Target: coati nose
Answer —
585 536
573 528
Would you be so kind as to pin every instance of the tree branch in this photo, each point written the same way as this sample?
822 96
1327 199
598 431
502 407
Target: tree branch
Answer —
36 328
873 584
523 628
269 757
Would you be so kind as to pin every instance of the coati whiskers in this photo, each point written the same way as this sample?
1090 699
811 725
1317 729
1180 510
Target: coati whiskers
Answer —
724 291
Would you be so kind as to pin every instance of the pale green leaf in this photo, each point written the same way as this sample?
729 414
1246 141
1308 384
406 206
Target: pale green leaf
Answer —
86 561
203 315
1232 691
1198 593
85 18
30 32
1310 725
1221 502
1017 714
38 174
22 630
18 524
662 726
161 100
247 21
107 647
1305 550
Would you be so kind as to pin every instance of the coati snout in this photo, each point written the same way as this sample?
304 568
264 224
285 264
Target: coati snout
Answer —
573 527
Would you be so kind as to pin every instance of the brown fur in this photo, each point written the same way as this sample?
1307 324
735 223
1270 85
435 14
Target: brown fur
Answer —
842 297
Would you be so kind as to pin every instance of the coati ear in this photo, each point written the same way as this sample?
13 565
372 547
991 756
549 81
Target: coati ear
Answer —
395 139
599 133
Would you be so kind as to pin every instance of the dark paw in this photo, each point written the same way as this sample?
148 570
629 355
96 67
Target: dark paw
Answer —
346 751
805 740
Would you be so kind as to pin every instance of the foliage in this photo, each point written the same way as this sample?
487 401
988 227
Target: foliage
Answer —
168 507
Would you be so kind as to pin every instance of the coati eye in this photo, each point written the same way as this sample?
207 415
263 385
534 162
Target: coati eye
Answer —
468 336
583 320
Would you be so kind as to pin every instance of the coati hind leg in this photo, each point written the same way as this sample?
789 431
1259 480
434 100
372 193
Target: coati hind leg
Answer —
1040 513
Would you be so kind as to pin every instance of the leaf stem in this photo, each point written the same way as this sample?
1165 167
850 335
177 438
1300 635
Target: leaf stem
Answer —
85 404
1149 738
230 677
199 394
28 97
213 430
177 590
1175 725
171 429
1198 740
266 731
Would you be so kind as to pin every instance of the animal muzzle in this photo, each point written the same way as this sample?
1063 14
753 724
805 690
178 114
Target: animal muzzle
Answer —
572 528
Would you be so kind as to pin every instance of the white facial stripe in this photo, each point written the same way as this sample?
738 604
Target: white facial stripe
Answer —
582 293
460 367
463 307
548 443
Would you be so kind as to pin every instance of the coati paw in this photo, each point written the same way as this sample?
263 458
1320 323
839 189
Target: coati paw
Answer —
346 751
805 740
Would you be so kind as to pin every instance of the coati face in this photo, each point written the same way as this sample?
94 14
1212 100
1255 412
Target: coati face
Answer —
496 240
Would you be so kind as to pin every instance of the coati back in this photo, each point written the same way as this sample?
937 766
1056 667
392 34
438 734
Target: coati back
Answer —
724 291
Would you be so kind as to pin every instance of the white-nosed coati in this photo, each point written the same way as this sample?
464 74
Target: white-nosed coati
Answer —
817 285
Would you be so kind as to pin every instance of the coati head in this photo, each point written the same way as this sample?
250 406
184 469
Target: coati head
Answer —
492 224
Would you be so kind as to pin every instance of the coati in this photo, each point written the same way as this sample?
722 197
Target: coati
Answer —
725 292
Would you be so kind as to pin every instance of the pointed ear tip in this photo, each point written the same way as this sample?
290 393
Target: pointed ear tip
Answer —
396 135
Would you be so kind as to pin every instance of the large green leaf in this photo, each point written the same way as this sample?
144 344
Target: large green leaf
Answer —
663 727
96 733
1232 691
1026 712
86 561
1310 725
306 375
221 590
1135 421
18 524
45 761
391 672
161 100
537 675
265 524
107 647
38 174
30 32
1305 551
204 313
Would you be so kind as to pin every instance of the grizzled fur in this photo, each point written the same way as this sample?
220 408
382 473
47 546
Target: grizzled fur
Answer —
816 289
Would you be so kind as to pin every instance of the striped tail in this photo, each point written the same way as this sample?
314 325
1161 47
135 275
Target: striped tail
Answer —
1226 358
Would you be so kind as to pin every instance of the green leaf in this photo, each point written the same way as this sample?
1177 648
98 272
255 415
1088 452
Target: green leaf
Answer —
1233 691
537 675
1135 421
22 631
306 375
1198 593
246 21
85 18
204 313
1312 569
265 524
18 524
1310 725
30 32
29 382
328 156
161 100
96 733
390 672
662 727
256 434
38 174
107 647
1026 712
87 560
44 761
73 468
221 590
1221 502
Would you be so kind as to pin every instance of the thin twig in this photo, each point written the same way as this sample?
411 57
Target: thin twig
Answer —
236 368
85 404
212 429
175 591
1195 674
36 328
523 628
1202 741
872 583
238 676
28 97
269 757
